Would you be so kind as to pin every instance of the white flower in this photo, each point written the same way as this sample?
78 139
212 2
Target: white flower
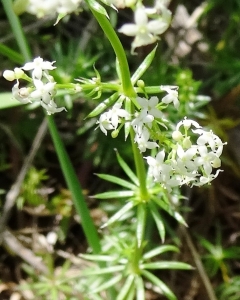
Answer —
115 112
150 106
186 157
43 92
52 108
104 123
172 95
207 160
38 66
162 172
143 141
22 94
186 123
41 8
206 179
145 31
211 139
141 119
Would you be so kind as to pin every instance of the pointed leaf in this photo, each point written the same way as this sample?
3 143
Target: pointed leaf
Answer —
92 257
160 250
102 271
114 194
140 290
103 106
157 282
107 284
126 288
127 170
97 7
7 101
141 222
167 265
158 220
143 66
168 209
11 54
117 180
127 207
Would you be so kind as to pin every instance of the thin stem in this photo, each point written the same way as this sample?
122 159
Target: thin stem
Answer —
74 186
128 91
17 29
119 51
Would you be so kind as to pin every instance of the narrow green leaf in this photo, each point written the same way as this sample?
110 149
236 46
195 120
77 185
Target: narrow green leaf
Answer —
158 220
106 258
75 188
114 194
166 206
127 170
11 54
7 101
140 290
98 8
157 282
102 271
167 265
103 105
141 222
117 180
160 250
106 285
127 207
143 66
125 290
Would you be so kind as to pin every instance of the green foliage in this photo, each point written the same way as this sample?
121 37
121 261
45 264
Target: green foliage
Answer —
31 189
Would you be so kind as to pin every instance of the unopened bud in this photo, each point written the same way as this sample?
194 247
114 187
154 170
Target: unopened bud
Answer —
187 143
141 83
114 133
18 73
9 75
177 136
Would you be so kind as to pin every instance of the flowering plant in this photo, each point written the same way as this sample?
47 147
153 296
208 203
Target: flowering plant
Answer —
166 155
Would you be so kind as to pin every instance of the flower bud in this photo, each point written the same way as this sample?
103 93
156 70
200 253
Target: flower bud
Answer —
9 75
18 73
187 143
177 136
141 83
114 133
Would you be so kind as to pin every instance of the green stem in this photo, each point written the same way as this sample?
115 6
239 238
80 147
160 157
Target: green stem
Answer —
17 29
127 87
128 91
74 186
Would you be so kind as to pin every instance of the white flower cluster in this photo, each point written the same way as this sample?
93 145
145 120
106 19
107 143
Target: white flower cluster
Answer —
43 89
194 152
188 162
42 8
149 23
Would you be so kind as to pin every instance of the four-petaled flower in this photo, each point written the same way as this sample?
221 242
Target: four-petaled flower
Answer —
145 31
38 66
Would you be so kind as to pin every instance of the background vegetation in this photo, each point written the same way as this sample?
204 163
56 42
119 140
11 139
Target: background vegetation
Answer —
200 54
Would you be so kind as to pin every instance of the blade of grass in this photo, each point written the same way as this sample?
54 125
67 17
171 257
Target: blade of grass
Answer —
75 188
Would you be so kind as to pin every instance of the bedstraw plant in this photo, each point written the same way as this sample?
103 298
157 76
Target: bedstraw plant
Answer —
166 154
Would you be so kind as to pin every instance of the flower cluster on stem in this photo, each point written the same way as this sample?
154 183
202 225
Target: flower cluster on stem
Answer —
42 8
189 158
43 88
